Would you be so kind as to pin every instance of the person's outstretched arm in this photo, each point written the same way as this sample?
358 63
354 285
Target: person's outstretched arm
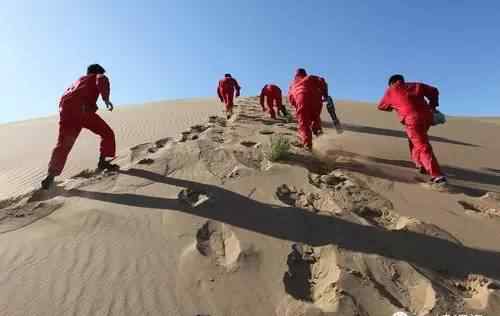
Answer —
325 89
262 95
103 86
385 103
237 87
219 93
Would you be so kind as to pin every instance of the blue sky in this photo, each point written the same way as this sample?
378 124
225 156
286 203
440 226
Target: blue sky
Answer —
158 50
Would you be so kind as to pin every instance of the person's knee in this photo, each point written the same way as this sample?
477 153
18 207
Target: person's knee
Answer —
426 148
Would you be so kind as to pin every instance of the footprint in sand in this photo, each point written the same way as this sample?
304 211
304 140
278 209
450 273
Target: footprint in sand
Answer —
217 120
146 161
266 132
85 174
478 292
329 279
17 216
487 205
354 195
297 198
216 240
248 143
162 142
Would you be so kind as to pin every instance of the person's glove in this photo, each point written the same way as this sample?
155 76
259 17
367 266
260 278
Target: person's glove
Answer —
109 105
237 94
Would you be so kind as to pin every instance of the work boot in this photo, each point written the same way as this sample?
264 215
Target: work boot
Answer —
47 182
421 170
317 132
106 165
439 180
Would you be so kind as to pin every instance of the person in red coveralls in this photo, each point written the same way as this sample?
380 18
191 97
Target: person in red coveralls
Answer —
77 110
416 113
272 93
305 94
226 92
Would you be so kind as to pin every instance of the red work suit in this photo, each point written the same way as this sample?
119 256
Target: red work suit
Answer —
272 93
305 95
77 110
409 101
226 92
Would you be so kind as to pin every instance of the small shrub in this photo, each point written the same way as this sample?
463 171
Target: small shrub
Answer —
280 148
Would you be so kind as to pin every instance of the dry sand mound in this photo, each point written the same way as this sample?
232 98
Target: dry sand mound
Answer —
205 224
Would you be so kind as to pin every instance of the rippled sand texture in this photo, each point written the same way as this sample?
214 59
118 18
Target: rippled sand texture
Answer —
203 223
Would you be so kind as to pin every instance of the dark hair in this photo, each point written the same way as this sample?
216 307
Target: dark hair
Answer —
95 69
301 72
227 75
395 78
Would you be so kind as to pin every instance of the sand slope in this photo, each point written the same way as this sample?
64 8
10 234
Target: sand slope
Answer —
28 144
205 224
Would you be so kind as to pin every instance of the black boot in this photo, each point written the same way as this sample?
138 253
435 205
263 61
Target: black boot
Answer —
106 165
421 170
47 182
283 110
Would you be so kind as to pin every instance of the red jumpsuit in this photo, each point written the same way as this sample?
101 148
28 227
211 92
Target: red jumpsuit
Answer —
305 95
225 91
77 110
273 94
408 99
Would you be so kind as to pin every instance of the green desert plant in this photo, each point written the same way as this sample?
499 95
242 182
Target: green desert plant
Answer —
280 148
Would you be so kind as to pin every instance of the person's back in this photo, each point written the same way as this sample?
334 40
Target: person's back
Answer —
83 94
228 84
307 87
409 100
272 89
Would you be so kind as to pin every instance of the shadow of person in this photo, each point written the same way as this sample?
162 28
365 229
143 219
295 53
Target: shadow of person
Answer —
300 226
473 183
401 134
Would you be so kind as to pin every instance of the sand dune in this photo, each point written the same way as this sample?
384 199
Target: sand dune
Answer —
205 224
24 163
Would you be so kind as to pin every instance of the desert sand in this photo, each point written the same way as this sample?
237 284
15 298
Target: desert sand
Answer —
199 221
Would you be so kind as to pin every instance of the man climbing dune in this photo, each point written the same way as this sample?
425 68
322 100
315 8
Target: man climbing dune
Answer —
77 110
416 113
306 94
272 94
226 92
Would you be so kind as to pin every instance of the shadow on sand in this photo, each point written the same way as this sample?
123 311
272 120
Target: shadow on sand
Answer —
298 225
398 133
467 181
